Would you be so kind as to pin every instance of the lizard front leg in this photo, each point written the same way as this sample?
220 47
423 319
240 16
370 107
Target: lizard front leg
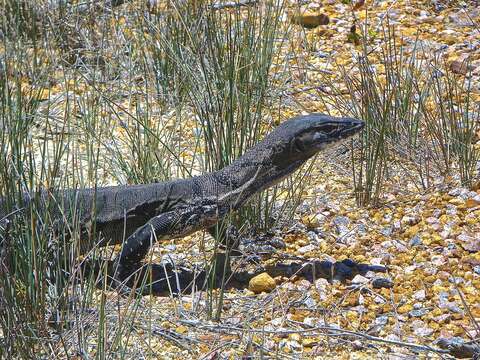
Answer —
172 224
137 245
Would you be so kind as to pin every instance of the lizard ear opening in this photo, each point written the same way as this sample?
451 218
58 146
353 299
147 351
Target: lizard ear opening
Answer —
298 145
310 142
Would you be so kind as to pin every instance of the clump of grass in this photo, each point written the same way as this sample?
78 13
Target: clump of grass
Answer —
29 261
213 66
452 121
220 60
43 301
417 117
385 102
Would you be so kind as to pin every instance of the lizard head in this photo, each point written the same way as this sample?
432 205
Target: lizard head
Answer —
302 137
286 148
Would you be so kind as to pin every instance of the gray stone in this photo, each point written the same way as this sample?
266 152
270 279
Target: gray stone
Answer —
409 220
419 295
313 237
451 210
415 241
381 282
462 18
386 231
419 312
381 320
322 54
476 269
310 303
423 331
359 279
361 229
306 249
341 220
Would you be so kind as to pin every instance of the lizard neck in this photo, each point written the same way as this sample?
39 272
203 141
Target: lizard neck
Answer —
259 168
245 177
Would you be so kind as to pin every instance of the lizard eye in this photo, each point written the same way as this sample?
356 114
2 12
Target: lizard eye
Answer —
328 129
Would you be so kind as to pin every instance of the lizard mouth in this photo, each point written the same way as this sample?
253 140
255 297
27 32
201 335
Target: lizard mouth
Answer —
351 129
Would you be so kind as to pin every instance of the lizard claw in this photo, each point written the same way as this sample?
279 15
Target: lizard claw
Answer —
347 269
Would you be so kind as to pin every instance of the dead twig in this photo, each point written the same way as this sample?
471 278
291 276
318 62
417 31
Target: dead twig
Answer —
178 339
233 4
320 88
466 307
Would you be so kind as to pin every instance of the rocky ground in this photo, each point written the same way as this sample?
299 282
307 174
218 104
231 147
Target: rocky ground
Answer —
429 239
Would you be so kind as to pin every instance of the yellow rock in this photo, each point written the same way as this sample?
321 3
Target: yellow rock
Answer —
311 221
396 262
429 279
411 231
470 289
420 257
354 216
471 221
457 330
295 336
181 329
444 219
204 348
262 282
166 324
437 312
352 315
297 317
437 238
405 309
476 257
370 316
302 242
310 20
475 311
378 216
457 316
471 203
308 342
351 300
387 307
456 201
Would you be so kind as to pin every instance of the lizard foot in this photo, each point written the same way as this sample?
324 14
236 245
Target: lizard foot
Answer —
339 270
124 277
347 269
